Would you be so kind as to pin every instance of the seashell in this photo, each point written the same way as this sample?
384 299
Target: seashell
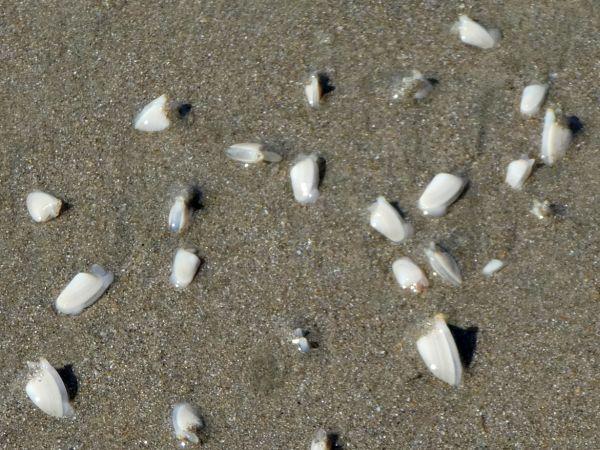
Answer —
440 193
472 33
185 266
415 86
492 267
250 153
153 117
541 210
305 179
443 264
186 421
388 221
43 207
313 91
47 390
180 214
409 275
532 98
439 353
321 441
83 290
518 171
299 339
556 138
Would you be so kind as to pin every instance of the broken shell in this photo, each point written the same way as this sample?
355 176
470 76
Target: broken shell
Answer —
83 290
305 179
313 91
250 153
541 210
415 86
440 193
43 207
443 264
556 138
153 117
532 98
409 275
388 221
47 390
472 33
299 339
179 214
492 267
321 441
185 266
439 353
186 421
518 171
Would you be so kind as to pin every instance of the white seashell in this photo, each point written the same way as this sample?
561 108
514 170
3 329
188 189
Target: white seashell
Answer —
492 267
438 350
440 193
153 117
556 138
43 207
250 153
532 98
300 340
388 221
47 390
409 275
83 290
305 179
179 214
443 264
541 210
472 33
518 171
186 421
321 441
313 91
185 266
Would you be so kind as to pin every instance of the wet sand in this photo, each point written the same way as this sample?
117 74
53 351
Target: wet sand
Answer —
73 75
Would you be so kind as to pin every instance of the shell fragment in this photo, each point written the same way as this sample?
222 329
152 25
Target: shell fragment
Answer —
153 117
250 153
440 193
43 207
532 98
388 221
556 138
185 265
305 179
472 33
47 390
186 421
409 275
83 290
492 267
518 171
439 353
443 264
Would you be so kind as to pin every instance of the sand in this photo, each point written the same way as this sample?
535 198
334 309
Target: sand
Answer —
72 76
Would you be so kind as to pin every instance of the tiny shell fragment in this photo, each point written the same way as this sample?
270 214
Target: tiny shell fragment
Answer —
388 221
532 98
443 264
43 207
492 267
440 193
518 171
472 33
153 117
409 275
541 210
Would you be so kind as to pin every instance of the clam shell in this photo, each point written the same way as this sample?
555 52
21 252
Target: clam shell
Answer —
153 117
443 264
42 206
440 193
47 390
186 421
185 265
83 290
492 267
556 139
409 275
304 176
532 98
518 171
472 33
179 214
321 441
313 91
388 221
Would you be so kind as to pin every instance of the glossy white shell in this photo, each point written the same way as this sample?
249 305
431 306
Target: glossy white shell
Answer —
185 266
439 353
83 290
409 275
443 264
153 117
472 33
313 91
388 221
532 98
492 267
518 171
440 193
43 207
321 441
304 176
556 138
186 421
249 153
179 214
47 390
